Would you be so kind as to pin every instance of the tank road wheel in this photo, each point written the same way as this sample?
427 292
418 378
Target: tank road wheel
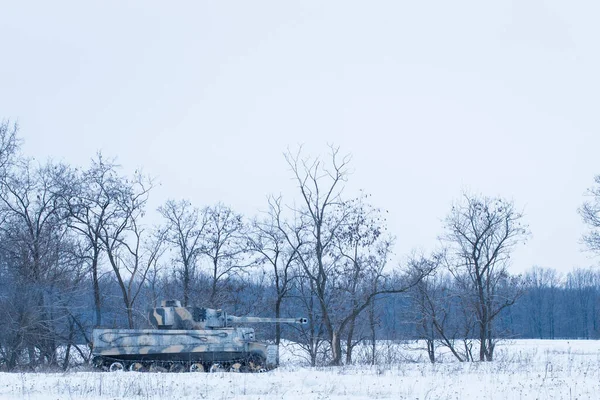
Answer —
196 367
116 366
256 363
157 368
136 367
176 367
98 362
237 367
216 367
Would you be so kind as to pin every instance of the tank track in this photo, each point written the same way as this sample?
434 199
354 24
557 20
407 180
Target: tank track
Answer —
251 364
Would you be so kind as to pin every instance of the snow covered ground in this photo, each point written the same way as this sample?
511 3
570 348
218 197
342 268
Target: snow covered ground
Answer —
525 369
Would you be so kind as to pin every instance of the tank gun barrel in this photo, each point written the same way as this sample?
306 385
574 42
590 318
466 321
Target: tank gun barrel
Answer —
235 319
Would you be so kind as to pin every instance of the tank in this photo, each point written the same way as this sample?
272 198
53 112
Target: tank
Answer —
194 339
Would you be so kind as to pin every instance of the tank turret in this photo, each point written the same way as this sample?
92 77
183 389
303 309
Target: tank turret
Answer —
171 315
187 339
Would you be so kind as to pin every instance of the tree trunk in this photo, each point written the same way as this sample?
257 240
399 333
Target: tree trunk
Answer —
278 324
336 348
373 331
490 344
482 337
130 316
468 351
431 350
97 304
186 285
32 359
65 365
213 290
349 341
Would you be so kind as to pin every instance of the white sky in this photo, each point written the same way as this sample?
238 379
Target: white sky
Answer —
430 98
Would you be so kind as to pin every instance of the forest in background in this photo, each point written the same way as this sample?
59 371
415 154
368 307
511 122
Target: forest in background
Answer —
78 250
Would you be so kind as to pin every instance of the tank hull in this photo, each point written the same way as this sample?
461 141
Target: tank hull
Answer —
226 347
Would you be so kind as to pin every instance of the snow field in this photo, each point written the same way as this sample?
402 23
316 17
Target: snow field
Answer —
527 369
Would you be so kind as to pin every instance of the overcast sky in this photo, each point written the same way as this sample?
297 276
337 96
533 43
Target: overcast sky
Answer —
430 97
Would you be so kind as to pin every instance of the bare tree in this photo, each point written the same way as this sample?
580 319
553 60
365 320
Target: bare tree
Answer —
590 213
9 145
278 244
425 306
41 274
224 243
312 337
325 215
481 234
441 310
38 251
122 239
91 198
364 249
320 188
185 227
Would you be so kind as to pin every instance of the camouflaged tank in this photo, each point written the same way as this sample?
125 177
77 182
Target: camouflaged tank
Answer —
191 339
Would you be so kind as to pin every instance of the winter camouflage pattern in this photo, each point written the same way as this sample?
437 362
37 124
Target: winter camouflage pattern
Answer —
187 338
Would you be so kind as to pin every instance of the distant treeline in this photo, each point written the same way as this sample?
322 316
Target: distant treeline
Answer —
551 306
